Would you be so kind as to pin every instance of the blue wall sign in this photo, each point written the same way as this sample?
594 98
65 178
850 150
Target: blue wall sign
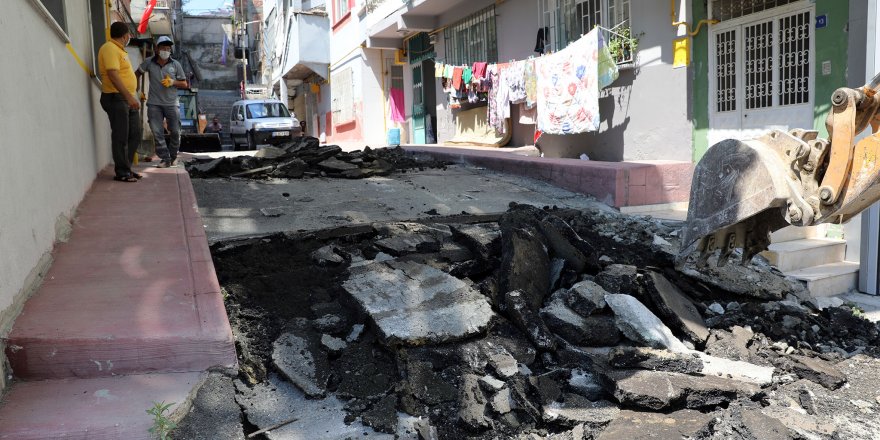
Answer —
821 21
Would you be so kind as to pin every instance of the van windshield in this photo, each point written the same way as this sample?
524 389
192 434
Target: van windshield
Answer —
267 110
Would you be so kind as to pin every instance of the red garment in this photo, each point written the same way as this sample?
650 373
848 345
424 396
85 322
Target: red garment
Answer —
479 70
398 113
456 77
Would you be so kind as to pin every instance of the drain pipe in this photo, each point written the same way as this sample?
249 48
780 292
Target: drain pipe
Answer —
676 24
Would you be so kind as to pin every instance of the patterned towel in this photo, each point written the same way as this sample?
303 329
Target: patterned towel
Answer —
568 88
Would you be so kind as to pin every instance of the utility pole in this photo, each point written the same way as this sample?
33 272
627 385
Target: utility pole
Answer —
244 44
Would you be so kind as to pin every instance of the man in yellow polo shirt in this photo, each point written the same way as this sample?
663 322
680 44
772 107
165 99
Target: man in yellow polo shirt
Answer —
118 91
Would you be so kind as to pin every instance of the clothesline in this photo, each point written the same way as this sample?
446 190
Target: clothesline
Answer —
558 92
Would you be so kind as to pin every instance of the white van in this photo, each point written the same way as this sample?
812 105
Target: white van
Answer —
258 122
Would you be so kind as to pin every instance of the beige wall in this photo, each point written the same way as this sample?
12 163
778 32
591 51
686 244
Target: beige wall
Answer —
54 137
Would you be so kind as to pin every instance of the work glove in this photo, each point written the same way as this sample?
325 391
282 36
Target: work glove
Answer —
167 81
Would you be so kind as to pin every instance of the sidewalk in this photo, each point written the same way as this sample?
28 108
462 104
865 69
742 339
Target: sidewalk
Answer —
129 313
617 184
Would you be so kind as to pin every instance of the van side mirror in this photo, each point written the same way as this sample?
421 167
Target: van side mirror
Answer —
239 117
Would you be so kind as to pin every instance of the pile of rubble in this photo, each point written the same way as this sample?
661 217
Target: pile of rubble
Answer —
544 324
305 157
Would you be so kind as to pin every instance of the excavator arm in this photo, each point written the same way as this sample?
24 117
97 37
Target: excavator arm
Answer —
743 190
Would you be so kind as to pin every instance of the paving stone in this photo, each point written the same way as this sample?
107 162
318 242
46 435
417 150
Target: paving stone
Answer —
731 344
636 425
291 169
491 383
586 384
656 390
327 256
383 415
404 244
586 298
576 409
300 359
415 304
815 370
277 401
501 360
640 325
483 240
272 212
501 401
528 320
676 308
214 414
270 152
655 360
736 370
426 385
618 278
333 345
565 243
333 165
472 403
525 266
578 330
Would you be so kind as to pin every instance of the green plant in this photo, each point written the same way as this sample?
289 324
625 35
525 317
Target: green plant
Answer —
162 425
623 45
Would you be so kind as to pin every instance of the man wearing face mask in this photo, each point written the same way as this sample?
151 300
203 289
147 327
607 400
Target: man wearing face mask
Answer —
166 76
118 88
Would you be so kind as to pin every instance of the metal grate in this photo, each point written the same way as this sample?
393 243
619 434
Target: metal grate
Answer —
472 39
794 59
566 20
725 71
730 9
759 65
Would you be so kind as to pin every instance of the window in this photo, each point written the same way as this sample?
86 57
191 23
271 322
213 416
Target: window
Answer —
472 39
566 20
342 8
99 36
56 9
730 9
341 97
396 76
267 110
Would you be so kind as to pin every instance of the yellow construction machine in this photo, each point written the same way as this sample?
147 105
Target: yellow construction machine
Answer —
744 190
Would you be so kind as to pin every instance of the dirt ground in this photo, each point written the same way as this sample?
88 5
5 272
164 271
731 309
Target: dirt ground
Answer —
278 282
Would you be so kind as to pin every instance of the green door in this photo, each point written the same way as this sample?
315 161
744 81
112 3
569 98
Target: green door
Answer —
418 110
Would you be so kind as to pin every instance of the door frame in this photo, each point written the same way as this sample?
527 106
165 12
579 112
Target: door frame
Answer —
739 24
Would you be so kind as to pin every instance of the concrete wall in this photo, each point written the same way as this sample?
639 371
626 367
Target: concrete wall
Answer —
55 139
630 128
645 112
202 38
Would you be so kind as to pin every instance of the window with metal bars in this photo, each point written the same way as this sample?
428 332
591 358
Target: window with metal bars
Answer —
725 71
472 39
759 65
566 20
794 59
730 9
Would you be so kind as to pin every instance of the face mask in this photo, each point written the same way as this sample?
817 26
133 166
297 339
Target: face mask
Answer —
164 54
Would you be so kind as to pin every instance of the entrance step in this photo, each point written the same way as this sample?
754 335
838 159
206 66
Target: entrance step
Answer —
792 255
790 233
105 408
829 279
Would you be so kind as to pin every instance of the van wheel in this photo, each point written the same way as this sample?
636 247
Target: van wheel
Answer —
251 142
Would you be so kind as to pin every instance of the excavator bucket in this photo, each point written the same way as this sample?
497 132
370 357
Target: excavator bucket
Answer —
740 193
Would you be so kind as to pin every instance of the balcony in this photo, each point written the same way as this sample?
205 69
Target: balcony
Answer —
162 18
391 21
307 48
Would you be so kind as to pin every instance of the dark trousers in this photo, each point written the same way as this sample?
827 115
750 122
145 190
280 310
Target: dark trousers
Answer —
125 131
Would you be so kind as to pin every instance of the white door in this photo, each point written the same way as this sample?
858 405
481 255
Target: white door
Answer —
762 75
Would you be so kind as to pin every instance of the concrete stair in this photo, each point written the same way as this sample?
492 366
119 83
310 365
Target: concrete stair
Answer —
807 255
129 313
219 103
